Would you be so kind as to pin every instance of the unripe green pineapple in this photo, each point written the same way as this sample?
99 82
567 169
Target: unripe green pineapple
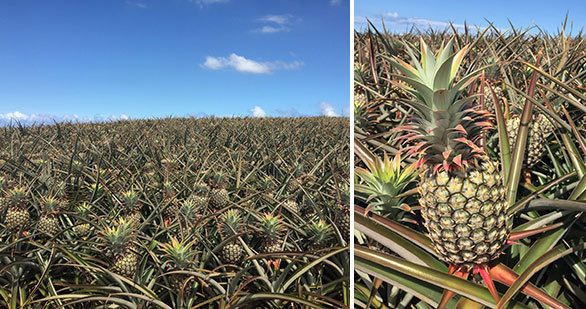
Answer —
117 240
230 224
17 215
320 234
200 197
219 196
271 227
539 129
170 202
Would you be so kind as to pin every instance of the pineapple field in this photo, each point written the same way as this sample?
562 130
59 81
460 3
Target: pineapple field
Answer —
176 213
470 185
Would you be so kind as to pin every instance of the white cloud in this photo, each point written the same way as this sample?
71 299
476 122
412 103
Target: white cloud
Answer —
277 19
276 23
326 109
394 19
242 64
29 119
203 3
257 111
137 4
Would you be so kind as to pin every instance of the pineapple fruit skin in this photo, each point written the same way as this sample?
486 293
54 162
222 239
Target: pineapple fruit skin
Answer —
539 129
126 265
466 214
219 198
232 253
48 225
16 218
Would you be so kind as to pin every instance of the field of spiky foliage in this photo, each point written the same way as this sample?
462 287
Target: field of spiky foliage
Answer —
436 225
175 213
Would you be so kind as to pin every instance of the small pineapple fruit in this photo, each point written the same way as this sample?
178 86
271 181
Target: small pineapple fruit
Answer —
462 191
17 215
292 207
320 234
200 197
48 222
82 228
343 215
126 264
232 253
170 201
271 227
219 196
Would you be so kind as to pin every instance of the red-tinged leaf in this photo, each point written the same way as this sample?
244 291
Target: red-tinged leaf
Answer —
458 271
505 275
458 160
527 233
446 154
483 270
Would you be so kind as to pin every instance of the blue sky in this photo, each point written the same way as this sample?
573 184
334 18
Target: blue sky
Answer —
154 58
400 15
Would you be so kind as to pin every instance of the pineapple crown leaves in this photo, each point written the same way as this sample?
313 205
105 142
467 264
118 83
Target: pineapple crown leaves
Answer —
17 195
131 201
118 236
445 129
230 223
180 254
382 178
83 209
319 231
218 180
51 205
271 226
188 210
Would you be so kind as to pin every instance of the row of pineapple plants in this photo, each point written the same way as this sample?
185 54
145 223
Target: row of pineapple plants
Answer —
176 213
469 187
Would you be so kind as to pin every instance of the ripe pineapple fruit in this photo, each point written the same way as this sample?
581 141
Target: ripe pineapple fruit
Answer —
230 225
117 240
271 227
17 215
82 228
219 196
462 192
320 234
48 222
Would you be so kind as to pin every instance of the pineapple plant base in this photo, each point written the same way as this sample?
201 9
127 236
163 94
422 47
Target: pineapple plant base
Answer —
465 214
126 265
232 253
49 225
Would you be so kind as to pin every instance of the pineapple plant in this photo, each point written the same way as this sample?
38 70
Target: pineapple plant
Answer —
170 201
462 192
219 196
117 241
230 224
82 228
17 215
271 227
48 222
320 234
539 129
200 197
131 207
180 255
